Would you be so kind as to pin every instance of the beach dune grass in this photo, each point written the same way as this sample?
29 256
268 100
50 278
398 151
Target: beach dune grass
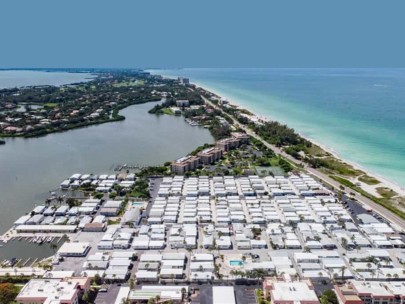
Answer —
369 180
386 192
386 202
339 167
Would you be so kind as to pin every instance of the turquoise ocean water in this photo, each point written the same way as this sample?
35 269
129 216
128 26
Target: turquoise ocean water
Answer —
357 113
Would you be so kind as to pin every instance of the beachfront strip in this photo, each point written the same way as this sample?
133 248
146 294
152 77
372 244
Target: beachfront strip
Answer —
291 230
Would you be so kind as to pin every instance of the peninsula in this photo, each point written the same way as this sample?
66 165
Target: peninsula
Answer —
262 210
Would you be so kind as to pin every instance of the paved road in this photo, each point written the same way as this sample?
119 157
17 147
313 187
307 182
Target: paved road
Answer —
319 175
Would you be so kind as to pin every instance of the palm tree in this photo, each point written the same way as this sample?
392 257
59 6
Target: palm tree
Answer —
342 269
54 246
344 242
60 200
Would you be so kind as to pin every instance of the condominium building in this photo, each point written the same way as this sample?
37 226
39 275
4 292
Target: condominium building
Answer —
242 137
227 144
233 142
210 155
184 164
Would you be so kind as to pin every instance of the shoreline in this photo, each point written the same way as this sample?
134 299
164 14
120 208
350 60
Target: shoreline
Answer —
384 182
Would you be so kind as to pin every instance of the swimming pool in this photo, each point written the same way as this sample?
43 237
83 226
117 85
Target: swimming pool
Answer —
138 204
236 263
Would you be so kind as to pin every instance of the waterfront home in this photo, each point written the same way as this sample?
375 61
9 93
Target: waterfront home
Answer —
39 209
46 228
35 220
185 164
22 220
210 155
61 210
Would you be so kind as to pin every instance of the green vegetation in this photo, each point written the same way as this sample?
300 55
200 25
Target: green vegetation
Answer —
50 104
331 165
74 106
8 292
200 148
153 171
176 92
329 297
114 222
141 189
219 130
303 150
368 180
260 297
168 111
386 192
384 201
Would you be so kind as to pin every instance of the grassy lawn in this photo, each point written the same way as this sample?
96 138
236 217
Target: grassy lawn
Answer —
369 180
317 151
50 104
168 111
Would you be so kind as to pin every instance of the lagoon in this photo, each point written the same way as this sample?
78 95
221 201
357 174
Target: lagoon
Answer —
32 167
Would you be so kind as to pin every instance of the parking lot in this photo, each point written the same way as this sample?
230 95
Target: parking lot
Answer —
109 296
246 294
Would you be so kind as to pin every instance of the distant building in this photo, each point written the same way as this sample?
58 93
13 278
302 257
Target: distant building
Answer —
183 80
227 144
242 137
233 142
182 103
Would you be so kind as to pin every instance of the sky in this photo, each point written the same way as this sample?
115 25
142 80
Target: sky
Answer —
220 33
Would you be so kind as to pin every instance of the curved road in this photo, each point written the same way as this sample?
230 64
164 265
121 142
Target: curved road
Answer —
391 217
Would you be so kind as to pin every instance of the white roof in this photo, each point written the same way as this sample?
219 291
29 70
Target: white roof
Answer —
223 295
73 248
122 294
291 291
